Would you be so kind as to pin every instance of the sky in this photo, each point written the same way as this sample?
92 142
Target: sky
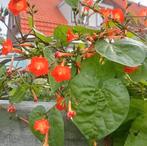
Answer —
143 2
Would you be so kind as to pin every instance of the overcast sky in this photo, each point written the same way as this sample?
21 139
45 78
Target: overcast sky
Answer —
143 2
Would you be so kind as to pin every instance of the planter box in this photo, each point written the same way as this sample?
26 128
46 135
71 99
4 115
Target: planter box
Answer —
16 133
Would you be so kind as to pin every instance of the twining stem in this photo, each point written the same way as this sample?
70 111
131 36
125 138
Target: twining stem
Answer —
23 119
11 64
34 95
46 140
95 143
11 32
18 26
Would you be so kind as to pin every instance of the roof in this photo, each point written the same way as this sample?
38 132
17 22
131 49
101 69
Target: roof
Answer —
47 17
135 8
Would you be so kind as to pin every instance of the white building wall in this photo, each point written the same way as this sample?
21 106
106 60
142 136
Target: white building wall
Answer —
94 21
66 10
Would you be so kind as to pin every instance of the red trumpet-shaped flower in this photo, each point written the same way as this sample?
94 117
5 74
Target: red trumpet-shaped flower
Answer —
71 36
88 3
118 15
7 47
70 113
130 70
60 103
42 126
11 108
17 6
38 66
62 54
106 12
61 73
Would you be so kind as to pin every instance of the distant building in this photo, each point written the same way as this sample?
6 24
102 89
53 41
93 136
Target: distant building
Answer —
51 13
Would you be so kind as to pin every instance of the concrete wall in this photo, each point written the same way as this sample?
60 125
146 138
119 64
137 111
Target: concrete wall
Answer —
14 132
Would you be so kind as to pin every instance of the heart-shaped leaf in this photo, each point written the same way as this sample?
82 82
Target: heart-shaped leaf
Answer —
102 102
56 137
126 51
56 132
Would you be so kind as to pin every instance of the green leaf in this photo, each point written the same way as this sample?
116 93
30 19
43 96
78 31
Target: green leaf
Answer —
60 34
105 71
102 102
53 84
42 36
126 51
56 137
138 132
2 70
72 3
18 94
37 113
31 22
49 54
83 30
136 109
56 131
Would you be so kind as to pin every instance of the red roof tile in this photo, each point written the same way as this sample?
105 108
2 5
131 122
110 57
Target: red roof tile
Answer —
135 8
47 17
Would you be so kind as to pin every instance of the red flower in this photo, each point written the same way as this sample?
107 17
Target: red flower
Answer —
17 6
118 15
130 70
62 54
7 47
88 3
70 113
42 126
105 12
71 36
60 103
11 108
61 73
38 66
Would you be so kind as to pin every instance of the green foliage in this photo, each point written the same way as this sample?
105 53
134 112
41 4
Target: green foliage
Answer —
83 30
2 71
138 132
107 100
126 51
102 102
18 94
60 32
